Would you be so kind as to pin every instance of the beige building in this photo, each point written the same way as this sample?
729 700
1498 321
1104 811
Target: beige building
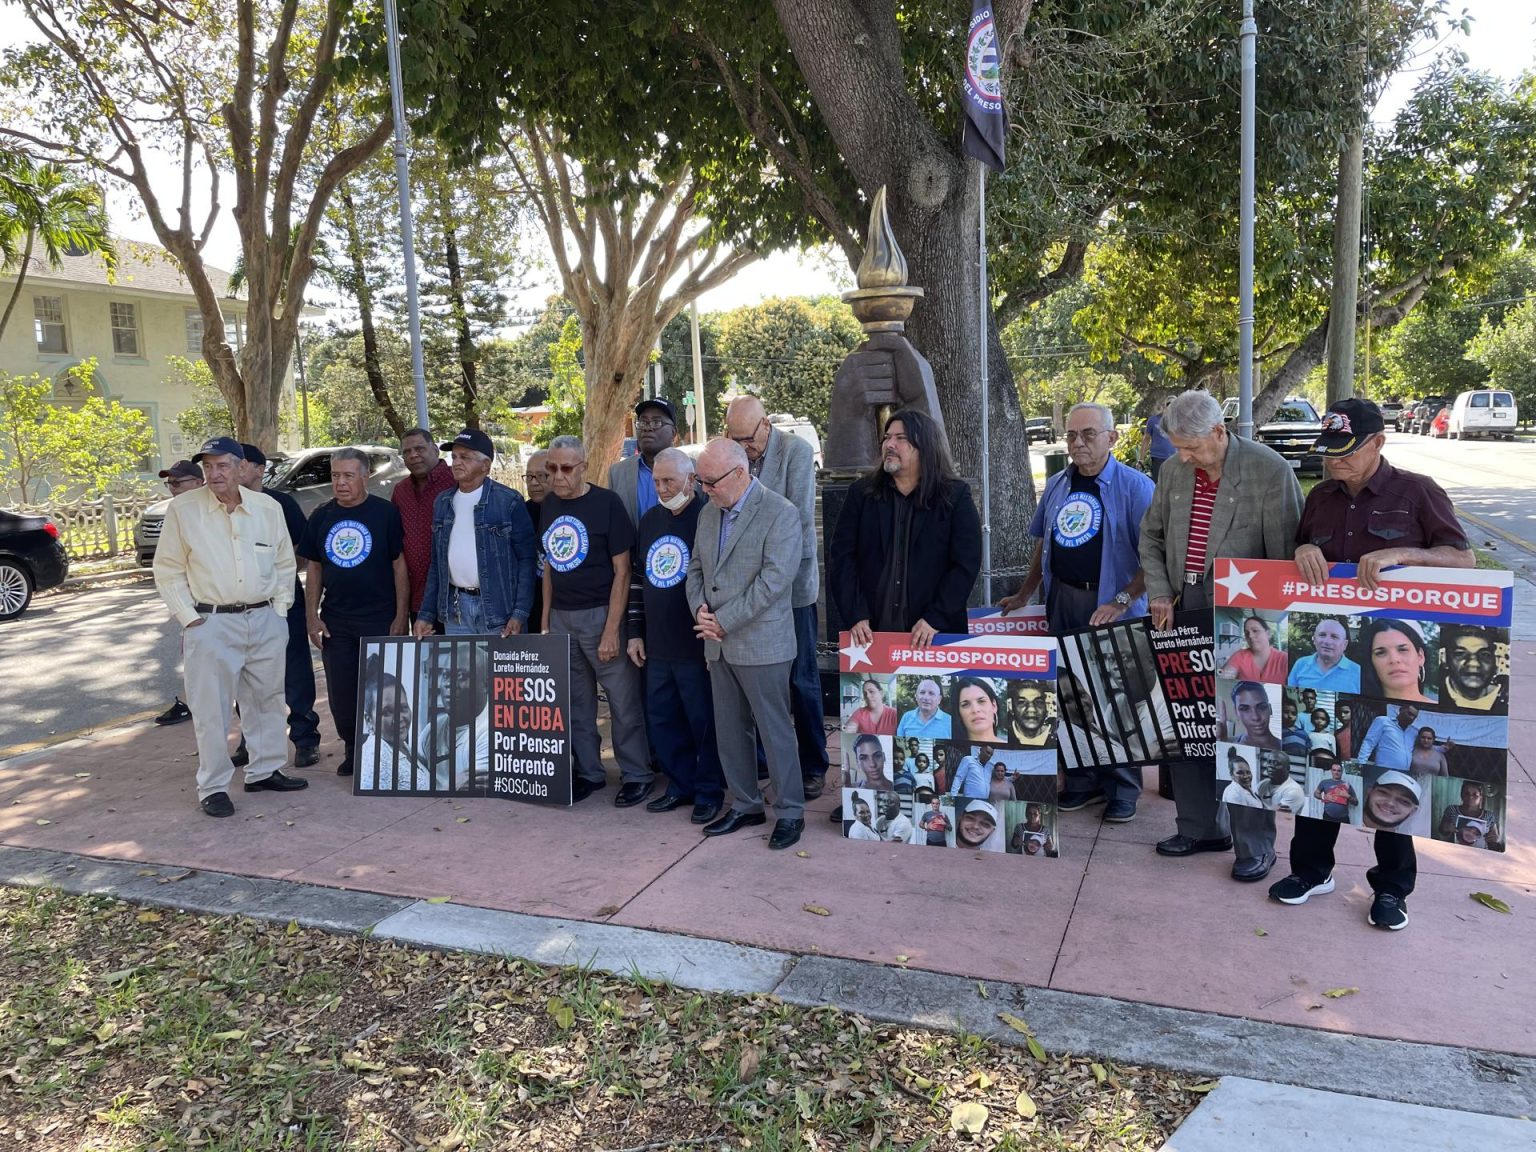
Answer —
131 322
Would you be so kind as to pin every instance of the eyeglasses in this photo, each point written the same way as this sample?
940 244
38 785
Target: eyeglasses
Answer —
565 469
652 425
1087 436
748 438
180 482
712 484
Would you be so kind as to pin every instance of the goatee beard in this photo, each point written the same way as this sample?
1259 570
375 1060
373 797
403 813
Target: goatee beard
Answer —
891 465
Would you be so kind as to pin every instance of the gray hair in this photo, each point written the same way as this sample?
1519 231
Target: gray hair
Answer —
727 451
678 459
572 442
1192 415
1106 417
356 454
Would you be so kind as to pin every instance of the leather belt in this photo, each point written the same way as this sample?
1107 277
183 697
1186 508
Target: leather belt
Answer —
216 609
1193 578
1081 587
464 591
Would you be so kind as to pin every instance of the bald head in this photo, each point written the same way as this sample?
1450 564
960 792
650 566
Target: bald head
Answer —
724 472
746 422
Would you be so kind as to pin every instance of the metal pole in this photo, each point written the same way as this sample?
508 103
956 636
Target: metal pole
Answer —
1250 34
986 391
403 181
702 435
298 340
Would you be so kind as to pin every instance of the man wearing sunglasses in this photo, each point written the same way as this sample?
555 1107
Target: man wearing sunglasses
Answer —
1088 525
740 586
784 464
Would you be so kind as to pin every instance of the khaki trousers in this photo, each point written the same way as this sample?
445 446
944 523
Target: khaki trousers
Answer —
236 658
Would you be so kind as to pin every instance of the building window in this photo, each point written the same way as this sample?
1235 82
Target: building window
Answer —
194 332
48 323
125 329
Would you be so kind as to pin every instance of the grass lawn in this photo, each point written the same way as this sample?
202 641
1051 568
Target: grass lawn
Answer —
124 1028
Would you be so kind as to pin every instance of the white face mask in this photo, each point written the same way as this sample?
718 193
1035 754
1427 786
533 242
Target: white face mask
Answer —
678 502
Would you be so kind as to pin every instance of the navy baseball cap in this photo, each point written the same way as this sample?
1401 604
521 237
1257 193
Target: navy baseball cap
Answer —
254 455
220 446
657 402
1347 425
474 439
182 470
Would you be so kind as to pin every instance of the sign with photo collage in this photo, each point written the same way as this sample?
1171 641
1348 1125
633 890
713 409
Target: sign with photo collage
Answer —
465 716
1387 709
951 746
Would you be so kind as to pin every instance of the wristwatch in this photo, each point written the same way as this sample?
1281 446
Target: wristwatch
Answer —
1123 599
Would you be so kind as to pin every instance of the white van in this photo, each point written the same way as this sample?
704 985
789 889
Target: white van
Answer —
801 427
1486 412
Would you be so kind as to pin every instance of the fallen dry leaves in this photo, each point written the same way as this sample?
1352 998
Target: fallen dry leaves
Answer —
168 1030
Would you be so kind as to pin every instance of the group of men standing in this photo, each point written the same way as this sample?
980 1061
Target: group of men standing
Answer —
689 590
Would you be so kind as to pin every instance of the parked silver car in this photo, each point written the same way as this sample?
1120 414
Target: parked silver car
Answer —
306 476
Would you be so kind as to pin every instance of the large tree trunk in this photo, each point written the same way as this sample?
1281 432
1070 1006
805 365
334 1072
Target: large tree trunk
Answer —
616 353
850 55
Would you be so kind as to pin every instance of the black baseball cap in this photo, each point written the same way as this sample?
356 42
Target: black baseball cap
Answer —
220 446
474 439
254 455
1347 425
182 470
657 402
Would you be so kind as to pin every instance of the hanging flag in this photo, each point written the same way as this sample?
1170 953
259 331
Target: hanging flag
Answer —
985 124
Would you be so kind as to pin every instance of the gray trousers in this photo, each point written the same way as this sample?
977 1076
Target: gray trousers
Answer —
752 700
1201 814
230 658
626 704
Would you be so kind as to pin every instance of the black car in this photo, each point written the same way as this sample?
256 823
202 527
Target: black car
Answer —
31 560
1291 431
1424 413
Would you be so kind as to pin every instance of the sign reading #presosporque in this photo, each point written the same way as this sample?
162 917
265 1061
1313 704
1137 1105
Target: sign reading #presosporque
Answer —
465 715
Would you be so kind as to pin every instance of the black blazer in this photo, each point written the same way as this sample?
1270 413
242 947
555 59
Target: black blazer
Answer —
941 568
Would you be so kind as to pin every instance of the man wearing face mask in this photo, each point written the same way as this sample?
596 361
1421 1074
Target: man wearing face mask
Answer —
679 703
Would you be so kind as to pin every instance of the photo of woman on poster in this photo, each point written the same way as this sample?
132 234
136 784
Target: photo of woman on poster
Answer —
1395 665
384 760
1472 822
874 717
977 704
1258 658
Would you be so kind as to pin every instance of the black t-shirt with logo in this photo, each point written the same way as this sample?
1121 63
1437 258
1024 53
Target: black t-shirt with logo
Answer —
1077 534
580 538
356 549
665 546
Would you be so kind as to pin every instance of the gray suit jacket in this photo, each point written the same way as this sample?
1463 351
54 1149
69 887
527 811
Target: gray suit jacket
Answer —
1258 505
623 481
748 586
789 468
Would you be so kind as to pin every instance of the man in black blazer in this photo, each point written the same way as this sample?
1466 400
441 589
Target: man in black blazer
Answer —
907 546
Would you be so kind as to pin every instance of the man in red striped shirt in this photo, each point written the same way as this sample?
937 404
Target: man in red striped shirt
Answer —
1220 496
413 496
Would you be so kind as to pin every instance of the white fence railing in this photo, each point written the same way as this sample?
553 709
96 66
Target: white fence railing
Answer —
93 529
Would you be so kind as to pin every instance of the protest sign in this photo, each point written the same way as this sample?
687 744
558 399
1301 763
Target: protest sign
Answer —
465 715
1384 708
952 745
990 620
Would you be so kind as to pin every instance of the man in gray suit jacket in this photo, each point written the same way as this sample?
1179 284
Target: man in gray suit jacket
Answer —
740 582
784 463
1219 496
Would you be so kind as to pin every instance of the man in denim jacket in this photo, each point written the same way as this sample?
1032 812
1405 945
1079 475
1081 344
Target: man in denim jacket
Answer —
483 550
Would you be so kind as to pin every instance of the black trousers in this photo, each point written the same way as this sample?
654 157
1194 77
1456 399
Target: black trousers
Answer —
1397 866
342 657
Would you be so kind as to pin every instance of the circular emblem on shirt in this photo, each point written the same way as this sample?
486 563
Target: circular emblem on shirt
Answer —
666 562
566 543
1079 520
348 543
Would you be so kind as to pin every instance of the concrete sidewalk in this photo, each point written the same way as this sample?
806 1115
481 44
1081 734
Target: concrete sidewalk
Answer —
1107 933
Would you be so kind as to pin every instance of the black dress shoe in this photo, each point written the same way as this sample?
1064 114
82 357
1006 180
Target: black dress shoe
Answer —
581 789
345 767
704 811
836 815
1188 846
632 793
306 757
276 782
1252 868
175 714
734 820
668 803
219 804
242 756
786 833
814 786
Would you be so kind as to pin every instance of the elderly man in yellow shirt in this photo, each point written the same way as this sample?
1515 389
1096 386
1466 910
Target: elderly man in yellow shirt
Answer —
225 568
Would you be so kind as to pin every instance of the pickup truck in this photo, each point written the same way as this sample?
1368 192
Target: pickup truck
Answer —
1291 431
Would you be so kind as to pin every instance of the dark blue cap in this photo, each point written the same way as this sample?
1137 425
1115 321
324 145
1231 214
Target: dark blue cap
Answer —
220 446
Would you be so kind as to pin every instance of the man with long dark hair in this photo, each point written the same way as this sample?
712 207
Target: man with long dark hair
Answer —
907 546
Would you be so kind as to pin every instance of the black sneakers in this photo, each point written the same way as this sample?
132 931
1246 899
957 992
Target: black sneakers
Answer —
175 714
1388 911
1295 890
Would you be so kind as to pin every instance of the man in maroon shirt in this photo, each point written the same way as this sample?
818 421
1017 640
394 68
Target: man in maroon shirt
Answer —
1374 516
413 496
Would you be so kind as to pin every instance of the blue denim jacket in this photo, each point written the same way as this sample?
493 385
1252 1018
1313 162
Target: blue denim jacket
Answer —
1126 493
506 548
